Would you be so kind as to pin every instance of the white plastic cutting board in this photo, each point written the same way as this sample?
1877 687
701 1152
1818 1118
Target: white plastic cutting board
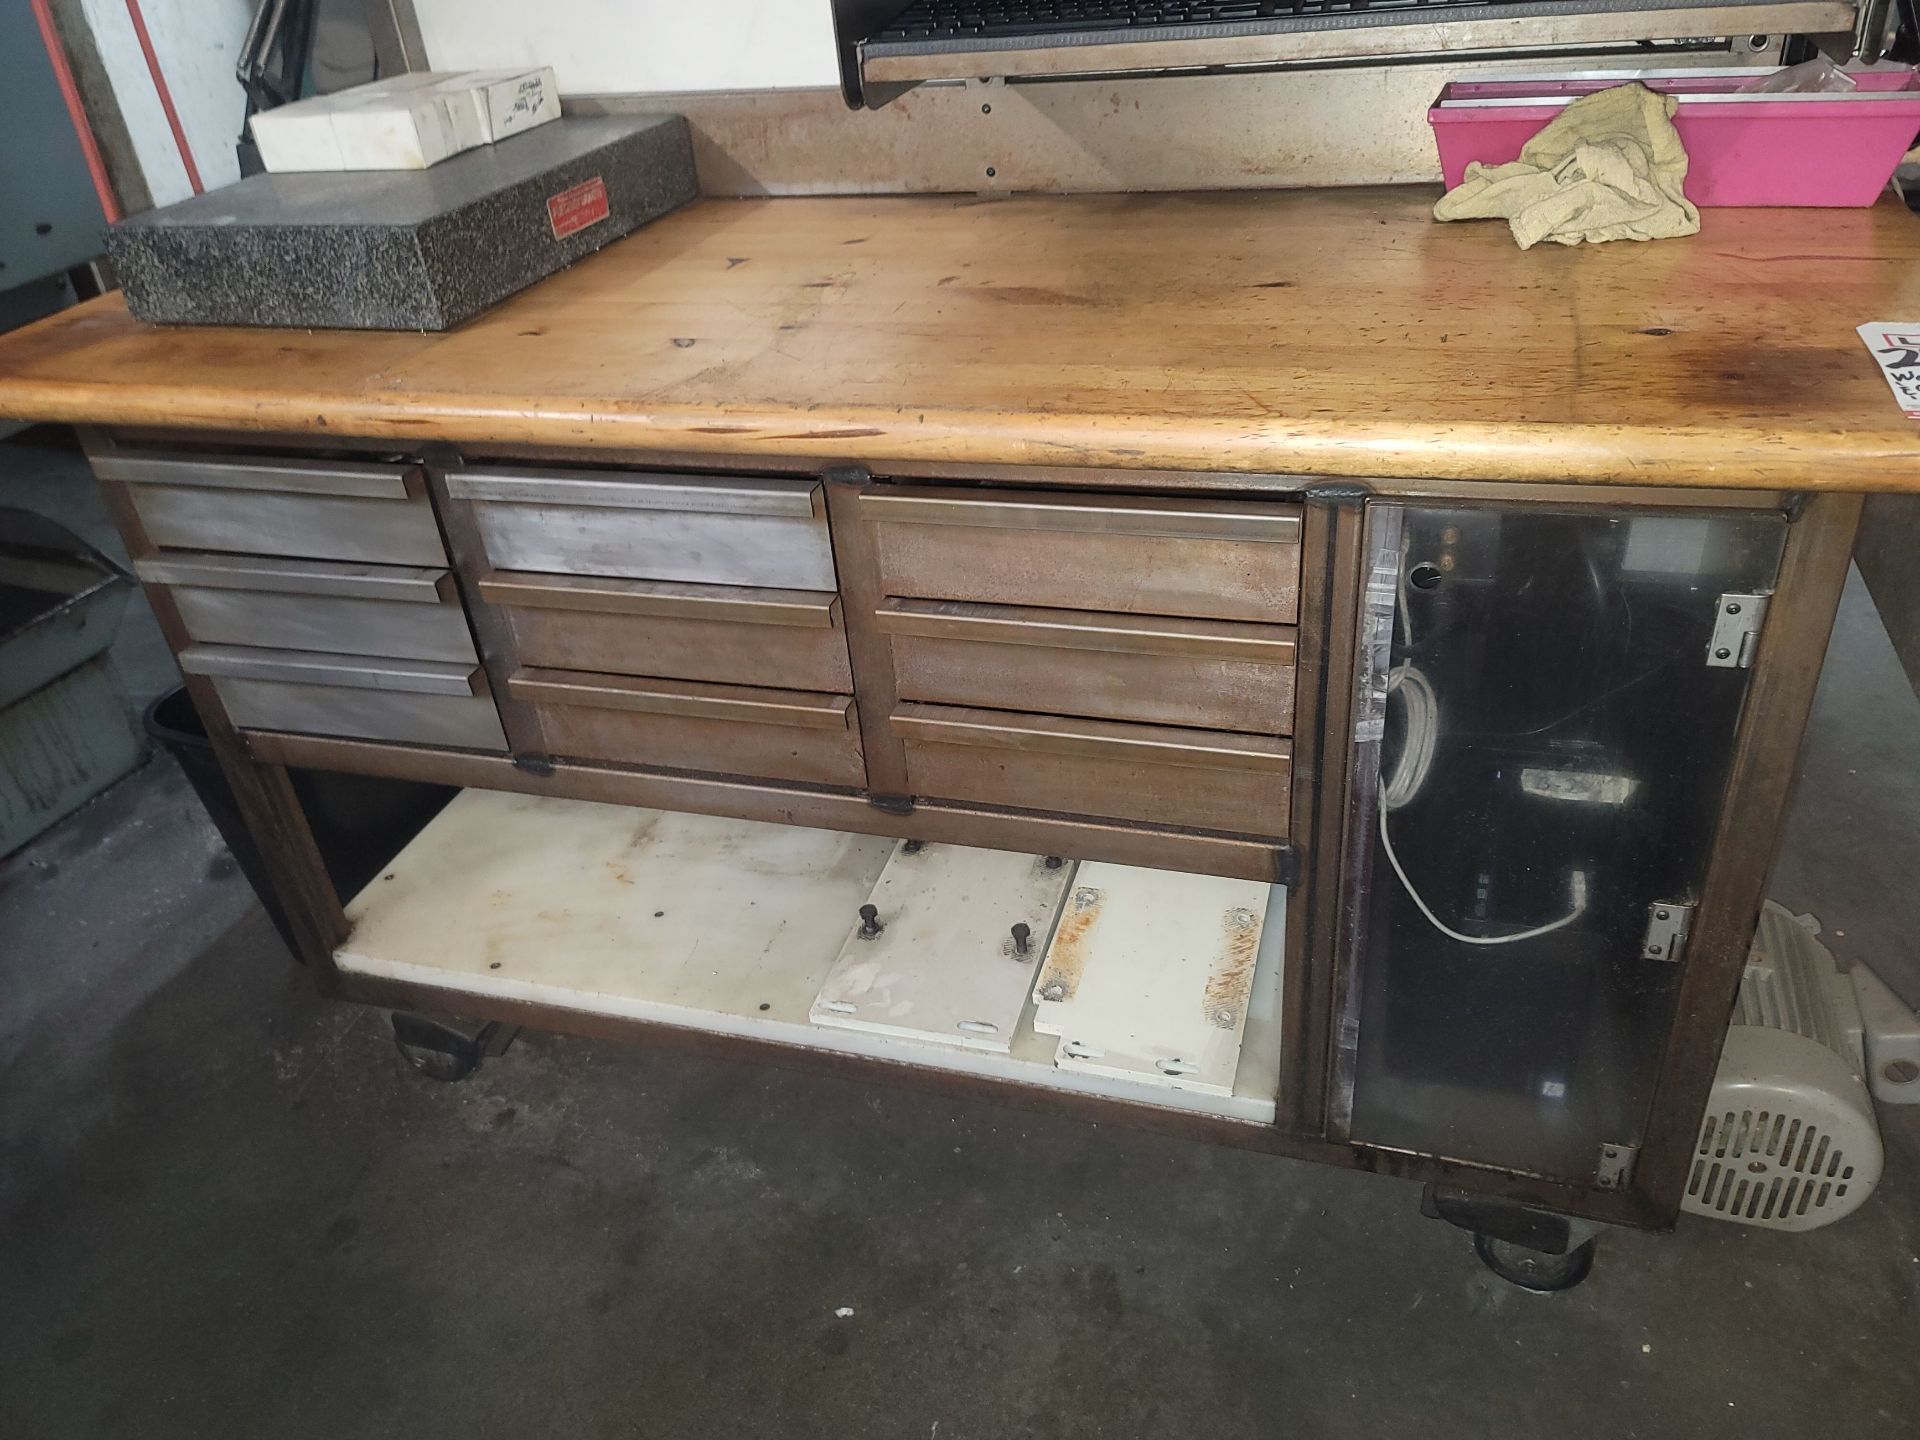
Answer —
944 966
1149 973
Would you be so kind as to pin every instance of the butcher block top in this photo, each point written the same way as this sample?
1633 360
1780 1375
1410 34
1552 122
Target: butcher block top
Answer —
1332 333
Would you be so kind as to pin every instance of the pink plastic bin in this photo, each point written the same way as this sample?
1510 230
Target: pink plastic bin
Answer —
1830 150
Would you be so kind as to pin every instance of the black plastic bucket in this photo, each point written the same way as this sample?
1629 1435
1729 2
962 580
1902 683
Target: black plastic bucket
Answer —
359 822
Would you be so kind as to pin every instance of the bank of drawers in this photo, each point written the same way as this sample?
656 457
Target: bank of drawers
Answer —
708 530
681 622
686 725
1128 657
424 702
1125 657
327 511
1212 674
316 595
783 639
1208 559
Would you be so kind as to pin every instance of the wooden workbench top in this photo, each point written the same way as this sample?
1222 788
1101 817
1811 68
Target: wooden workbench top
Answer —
1319 332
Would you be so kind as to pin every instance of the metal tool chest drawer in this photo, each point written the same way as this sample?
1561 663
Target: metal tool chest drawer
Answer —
1212 559
685 725
423 702
784 639
1156 775
321 510
405 612
705 529
1212 674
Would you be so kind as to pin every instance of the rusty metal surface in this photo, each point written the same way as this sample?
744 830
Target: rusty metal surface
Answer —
1150 975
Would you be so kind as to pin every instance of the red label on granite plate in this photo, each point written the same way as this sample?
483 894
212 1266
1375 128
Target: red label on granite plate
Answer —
573 210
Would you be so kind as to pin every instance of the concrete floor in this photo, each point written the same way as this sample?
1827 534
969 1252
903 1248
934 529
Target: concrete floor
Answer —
227 1208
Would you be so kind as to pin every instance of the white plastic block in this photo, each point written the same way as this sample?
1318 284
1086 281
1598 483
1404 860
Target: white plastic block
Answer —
512 101
408 122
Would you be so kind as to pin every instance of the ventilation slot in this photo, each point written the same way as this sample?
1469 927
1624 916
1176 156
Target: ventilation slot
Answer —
1787 1141
1766 1166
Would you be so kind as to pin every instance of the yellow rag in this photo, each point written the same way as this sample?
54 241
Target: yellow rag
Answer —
1610 167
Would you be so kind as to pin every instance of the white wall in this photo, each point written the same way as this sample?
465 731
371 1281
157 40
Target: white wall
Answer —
197 43
636 46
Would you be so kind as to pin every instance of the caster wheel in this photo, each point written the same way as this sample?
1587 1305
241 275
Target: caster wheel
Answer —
442 1065
447 1052
1533 1269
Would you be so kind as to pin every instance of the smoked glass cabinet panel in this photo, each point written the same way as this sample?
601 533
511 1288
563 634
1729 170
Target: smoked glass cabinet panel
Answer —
1549 704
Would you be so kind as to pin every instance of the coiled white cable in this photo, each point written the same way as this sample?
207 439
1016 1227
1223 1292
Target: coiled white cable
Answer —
1410 771
1415 760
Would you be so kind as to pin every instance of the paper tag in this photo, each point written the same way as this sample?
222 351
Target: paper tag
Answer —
573 210
1896 346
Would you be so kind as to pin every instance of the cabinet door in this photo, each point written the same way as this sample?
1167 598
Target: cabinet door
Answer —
1550 700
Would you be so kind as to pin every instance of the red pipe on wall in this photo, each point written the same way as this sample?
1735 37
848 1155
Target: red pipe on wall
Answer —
76 110
166 95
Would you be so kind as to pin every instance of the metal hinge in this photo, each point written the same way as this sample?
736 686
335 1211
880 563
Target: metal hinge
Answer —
1668 922
1286 866
1736 631
1615 1167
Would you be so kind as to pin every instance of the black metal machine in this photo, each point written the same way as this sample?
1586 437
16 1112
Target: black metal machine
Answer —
889 46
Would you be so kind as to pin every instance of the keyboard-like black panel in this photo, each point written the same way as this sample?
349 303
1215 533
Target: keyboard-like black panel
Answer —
964 20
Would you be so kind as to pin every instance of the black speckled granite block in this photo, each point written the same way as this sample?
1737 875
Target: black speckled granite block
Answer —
403 250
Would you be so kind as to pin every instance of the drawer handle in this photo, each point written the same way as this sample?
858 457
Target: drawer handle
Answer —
728 604
1088 630
702 494
415 584
1268 522
309 667
296 477
805 709
1100 740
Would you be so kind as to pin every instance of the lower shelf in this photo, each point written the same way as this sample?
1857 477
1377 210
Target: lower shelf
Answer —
724 926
